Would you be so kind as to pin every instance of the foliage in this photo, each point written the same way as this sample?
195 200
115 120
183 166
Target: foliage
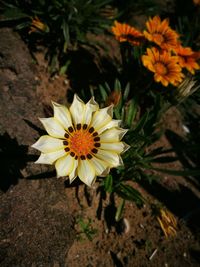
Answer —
66 23
87 229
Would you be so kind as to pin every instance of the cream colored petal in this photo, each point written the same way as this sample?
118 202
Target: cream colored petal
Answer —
48 144
77 110
62 114
117 147
111 158
64 165
86 172
113 135
73 174
100 166
90 108
102 117
53 127
50 158
109 125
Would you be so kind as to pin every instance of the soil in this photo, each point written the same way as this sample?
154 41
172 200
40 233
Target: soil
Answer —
40 215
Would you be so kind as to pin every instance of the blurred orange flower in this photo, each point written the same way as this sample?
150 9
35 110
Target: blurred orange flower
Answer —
187 58
126 33
113 98
165 67
160 33
196 2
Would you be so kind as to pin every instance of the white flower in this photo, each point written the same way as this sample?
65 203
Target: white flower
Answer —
82 141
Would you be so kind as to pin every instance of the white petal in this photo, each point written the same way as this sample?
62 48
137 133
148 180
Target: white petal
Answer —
111 124
90 107
113 135
102 117
100 166
77 110
117 147
86 172
50 158
73 174
64 165
62 114
111 158
48 144
53 127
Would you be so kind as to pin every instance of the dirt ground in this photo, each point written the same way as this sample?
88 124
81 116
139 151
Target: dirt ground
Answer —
39 213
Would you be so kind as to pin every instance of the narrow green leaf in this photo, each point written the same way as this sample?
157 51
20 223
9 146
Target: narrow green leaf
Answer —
119 211
108 183
132 110
178 173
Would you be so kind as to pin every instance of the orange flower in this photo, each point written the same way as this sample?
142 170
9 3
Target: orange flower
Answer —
187 58
37 24
125 33
167 222
165 67
160 33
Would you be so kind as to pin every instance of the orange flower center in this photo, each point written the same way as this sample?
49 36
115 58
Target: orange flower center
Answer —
158 38
81 142
160 68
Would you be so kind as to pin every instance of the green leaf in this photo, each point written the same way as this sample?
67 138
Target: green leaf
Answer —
103 92
129 193
132 110
141 122
108 183
119 211
126 91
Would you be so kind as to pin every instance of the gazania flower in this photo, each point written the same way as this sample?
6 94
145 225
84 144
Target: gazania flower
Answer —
168 222
165 67
187 58
125 33
82 141
160 33
37 24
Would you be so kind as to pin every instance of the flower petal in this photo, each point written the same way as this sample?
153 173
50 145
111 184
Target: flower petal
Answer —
111 124
48 144
62 114
64 165
100 166
117 147
113 135
77 110
73 174
50 158
102 117
86 172
112 158
90 107
53 127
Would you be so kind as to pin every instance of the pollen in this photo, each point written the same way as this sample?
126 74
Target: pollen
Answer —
81 142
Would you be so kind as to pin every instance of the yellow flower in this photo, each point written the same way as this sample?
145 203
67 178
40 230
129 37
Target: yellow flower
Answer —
37 24
187 58
165 67
160 33
83 141
125 33
168 222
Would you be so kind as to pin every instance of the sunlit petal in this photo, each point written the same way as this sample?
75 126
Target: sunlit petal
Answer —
53 127
62 114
